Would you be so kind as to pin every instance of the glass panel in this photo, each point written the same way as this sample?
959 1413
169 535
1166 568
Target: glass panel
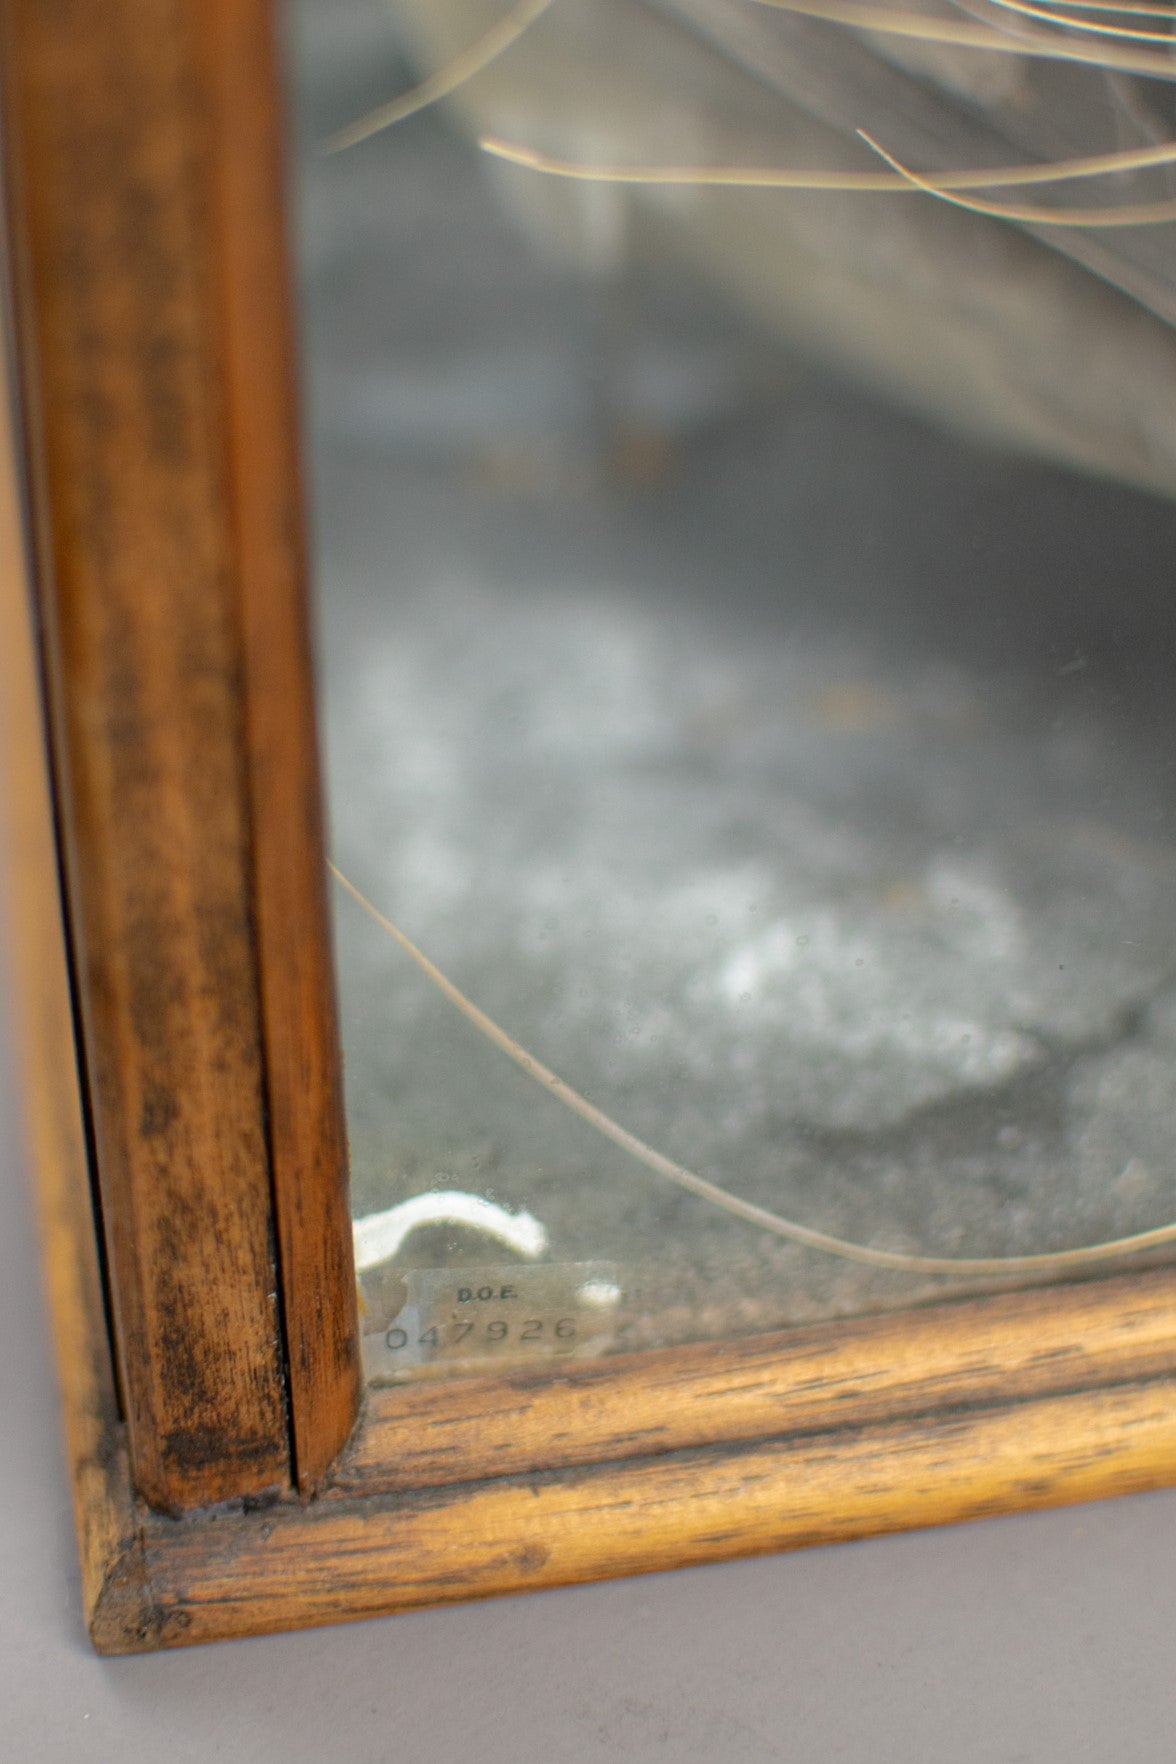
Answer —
746 658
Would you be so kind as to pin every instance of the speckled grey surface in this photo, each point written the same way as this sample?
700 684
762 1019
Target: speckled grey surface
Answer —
793 779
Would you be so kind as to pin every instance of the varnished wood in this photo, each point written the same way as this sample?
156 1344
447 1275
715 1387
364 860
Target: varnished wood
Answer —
245 1574
160 488
304 1086
991 1420
46 1068
823 1470
977 1351
113 138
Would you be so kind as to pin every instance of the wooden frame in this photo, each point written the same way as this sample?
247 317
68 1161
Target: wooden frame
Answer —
186 958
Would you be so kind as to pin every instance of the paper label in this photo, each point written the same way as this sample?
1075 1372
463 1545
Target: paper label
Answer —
463 1317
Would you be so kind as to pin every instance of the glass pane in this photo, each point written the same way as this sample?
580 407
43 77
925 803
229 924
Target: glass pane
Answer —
746 658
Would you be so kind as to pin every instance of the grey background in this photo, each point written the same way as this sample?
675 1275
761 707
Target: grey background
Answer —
1040 1637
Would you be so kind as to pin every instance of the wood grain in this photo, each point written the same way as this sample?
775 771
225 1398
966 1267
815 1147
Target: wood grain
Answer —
832 1463
304 1081
247 1574
158 487
975 1351
46 1068
112 140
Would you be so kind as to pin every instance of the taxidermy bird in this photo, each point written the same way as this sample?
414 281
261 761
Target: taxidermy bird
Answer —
969 203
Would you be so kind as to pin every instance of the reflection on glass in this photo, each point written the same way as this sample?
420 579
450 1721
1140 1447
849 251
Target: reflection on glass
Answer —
746 643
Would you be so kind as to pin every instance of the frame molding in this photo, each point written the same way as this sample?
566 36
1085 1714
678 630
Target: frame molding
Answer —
1041 1423
460 1488
143 148
951 1357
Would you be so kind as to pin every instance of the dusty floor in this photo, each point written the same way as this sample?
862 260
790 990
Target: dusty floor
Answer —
794 780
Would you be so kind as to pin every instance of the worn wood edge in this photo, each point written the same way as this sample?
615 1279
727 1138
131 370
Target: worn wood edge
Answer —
63 70
1014 1345
216 1576
307 1133
54 1133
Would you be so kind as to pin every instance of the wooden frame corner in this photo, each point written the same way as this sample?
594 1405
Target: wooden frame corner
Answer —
171 606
